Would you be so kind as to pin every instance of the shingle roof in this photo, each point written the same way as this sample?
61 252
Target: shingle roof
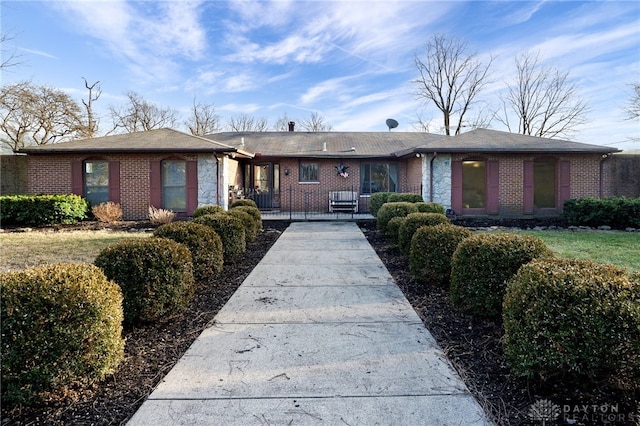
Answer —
319 144
160 140
325 144
485 140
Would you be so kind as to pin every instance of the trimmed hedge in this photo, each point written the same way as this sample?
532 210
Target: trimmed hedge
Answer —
246 202
231 232
204 210
255 214
391 210
573 319
61 328
393 228
483 263
616 212
412 222
155 275
376 201
40 210
432 248
430 207
406 197
203 243
249 223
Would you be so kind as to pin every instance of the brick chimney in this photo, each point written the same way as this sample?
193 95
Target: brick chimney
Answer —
292 125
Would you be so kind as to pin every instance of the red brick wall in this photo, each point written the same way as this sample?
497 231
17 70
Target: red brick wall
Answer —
584 172
49 174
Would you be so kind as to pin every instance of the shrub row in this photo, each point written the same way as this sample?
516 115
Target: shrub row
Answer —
62 324
616 212
377 200
40 210
568 319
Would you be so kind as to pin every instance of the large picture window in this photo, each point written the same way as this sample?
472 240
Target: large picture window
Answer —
96 181
174 185
309 172
378 177
544 185
474 184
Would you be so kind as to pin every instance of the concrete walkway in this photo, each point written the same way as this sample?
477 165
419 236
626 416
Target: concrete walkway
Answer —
318 333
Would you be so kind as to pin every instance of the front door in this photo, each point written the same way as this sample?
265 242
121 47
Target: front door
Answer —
265 178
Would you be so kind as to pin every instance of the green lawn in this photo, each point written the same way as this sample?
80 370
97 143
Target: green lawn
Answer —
615 247
24 249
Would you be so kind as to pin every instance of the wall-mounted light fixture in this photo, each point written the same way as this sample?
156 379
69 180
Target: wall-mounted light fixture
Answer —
286 172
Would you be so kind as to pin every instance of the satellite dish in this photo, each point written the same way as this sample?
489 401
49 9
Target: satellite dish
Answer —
391 123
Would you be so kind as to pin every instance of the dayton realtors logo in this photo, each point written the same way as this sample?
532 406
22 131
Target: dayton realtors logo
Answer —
546 412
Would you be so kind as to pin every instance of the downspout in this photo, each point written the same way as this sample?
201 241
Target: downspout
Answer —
435 154
605 157
217 179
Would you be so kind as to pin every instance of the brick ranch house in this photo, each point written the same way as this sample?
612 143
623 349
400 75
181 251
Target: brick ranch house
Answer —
482 172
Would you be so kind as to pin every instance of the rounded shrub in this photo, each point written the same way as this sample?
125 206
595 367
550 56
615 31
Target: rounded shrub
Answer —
201 211
249 223
254 212
231 232
482 265
432 248
391 210
376 201
413 222
203 243
155 275
246 202
400 197
61 329
393 228
574 319
430 207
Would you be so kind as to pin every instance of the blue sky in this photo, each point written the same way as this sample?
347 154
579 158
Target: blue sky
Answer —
350 61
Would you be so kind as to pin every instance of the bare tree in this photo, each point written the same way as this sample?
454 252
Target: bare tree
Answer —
140 115
246 123
282 123
40 115
9 58
90 128
633 107
451 78
315 123
544 101
203 119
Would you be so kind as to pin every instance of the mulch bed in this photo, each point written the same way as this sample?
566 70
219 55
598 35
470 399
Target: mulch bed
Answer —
473 346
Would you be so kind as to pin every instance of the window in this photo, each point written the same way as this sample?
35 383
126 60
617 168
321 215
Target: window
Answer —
174 185
544 185
96 181
309 172
474 184
378 177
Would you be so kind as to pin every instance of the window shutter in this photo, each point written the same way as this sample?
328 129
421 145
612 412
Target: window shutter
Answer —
456 186
527 201
155 184
192 186
493 187
114 181
564 188
77 184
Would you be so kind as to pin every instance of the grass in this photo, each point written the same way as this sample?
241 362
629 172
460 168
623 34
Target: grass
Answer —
25 249
615 247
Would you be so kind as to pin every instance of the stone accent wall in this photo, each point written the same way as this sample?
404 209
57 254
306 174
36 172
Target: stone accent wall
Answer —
440 192
207 180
